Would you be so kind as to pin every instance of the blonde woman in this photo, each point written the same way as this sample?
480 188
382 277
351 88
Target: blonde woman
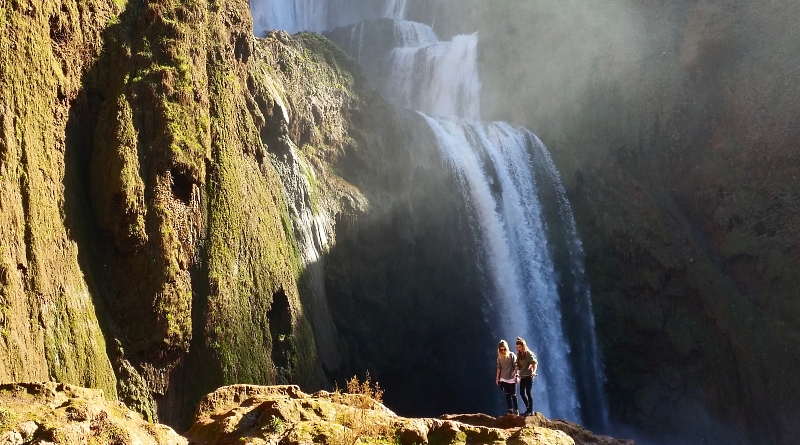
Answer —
527 364
507 375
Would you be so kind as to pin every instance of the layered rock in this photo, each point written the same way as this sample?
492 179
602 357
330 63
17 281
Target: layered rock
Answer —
50 413
48 316
136 185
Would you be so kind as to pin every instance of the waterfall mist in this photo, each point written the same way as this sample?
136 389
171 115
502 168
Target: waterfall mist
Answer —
673 125
497 169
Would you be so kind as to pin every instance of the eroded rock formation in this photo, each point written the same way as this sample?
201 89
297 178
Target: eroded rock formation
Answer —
57 413
283 414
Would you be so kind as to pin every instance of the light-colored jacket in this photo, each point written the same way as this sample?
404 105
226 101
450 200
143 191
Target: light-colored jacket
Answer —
508 367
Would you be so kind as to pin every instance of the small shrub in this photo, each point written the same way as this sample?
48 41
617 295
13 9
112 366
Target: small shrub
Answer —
359 426
275 425
8 420
365 388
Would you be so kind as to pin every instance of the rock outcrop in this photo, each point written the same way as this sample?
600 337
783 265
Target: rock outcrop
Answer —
56 413
283 414
53 413
144 224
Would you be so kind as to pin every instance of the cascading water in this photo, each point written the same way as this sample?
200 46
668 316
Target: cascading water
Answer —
319 15
501 172
413 69
492 164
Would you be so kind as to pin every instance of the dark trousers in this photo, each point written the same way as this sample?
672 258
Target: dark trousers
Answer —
510 389
525 385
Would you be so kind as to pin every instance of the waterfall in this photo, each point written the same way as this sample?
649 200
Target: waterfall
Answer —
522 218
319 15
588 362
412 68
492 164
396 9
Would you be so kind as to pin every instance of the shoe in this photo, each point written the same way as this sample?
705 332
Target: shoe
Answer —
527 413
511 411
516 412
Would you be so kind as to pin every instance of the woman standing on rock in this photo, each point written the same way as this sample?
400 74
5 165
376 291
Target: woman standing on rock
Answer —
528 365
507 376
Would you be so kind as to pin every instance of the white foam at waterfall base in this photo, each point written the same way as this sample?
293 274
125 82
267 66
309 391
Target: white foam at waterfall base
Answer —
511 232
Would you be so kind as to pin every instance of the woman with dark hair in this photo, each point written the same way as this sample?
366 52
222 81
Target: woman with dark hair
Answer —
527 364
507 376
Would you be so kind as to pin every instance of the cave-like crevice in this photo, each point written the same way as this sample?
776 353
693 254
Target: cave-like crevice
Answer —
182 185
280 328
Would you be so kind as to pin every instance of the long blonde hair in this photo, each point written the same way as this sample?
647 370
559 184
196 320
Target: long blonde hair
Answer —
503 344
524 344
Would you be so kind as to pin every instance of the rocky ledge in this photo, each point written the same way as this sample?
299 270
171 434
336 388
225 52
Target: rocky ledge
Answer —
57 413
246 414
52 413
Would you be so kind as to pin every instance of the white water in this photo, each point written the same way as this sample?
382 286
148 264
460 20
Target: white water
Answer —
421 72
494 167
439 79
396 9
527 300
319 15
590 355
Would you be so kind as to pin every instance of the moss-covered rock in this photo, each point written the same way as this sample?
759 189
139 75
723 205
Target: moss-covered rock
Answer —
48 316
283 414
44 413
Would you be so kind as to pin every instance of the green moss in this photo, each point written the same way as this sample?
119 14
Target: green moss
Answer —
8 420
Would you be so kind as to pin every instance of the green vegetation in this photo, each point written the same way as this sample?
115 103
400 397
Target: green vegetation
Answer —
8 420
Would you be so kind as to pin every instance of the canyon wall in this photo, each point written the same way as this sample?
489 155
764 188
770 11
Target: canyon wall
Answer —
146 244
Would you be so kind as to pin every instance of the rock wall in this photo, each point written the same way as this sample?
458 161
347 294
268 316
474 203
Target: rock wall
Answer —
185 206
49 318
674 127
147 246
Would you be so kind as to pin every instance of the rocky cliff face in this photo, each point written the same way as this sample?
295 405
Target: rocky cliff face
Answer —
674 127
186 206
48 310
147 248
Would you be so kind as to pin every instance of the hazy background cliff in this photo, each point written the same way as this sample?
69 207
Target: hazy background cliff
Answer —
675 127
